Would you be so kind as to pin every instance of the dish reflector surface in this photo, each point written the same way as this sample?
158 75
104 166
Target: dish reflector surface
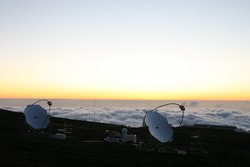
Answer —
158 126
36 116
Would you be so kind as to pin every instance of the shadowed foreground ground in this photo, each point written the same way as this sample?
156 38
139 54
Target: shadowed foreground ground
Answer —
19 146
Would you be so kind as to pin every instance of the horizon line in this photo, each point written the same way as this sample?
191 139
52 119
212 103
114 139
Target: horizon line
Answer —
2 98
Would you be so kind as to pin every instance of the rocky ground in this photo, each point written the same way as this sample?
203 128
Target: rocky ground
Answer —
192 146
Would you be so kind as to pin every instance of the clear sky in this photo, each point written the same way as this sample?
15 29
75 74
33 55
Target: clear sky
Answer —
125 49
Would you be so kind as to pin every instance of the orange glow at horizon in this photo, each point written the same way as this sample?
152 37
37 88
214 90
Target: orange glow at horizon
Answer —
68 93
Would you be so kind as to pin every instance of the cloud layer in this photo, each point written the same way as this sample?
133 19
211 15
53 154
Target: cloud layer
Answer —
134 116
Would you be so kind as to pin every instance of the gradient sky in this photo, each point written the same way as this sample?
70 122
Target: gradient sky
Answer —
125 49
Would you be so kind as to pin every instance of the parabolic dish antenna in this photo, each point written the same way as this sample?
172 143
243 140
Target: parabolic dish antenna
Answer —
158 126
36 116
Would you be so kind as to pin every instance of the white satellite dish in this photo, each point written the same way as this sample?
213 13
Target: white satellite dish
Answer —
158 125
36 116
